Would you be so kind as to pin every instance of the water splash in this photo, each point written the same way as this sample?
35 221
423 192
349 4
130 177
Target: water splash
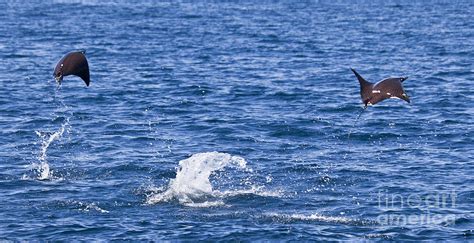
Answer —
62 112
355 122
316 217
192 186
91 207
42 169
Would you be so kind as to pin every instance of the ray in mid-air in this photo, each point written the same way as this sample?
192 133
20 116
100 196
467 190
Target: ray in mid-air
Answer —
73 63
373 93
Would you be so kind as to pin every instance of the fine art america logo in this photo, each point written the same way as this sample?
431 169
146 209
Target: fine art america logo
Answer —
416 209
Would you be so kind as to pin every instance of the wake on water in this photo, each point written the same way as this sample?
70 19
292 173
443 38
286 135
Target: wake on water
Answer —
192 185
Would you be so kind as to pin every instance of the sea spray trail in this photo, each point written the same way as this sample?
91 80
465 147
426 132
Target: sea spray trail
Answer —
61 108
355 122
351 130
42 168
192 185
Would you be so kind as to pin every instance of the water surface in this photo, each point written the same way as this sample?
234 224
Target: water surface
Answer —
228 121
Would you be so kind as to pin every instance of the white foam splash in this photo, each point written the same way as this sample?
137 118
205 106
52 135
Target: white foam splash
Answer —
205 204
254 190
192 186
87 207
311 217
43 170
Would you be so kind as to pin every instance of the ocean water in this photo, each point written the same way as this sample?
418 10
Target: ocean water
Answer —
230 120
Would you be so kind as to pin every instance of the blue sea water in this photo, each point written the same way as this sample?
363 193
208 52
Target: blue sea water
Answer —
230 120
